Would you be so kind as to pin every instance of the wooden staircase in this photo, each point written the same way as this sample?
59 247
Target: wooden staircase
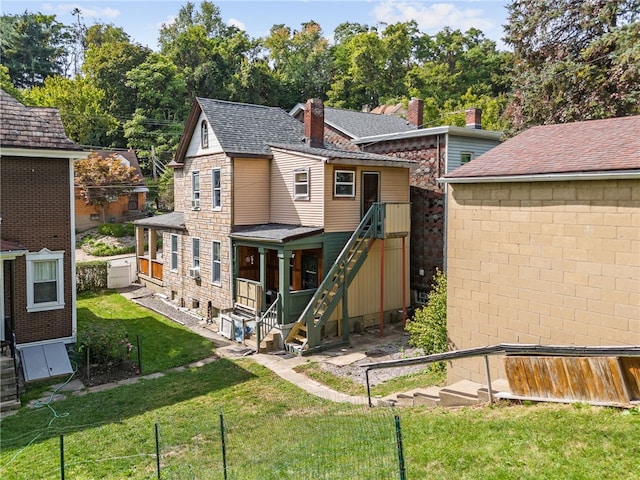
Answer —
463 393
306 333
9 401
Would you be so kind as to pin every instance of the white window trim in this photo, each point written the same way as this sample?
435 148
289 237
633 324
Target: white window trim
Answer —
307 183
195 194
174 268
213 189
204 134
45 255
214 262
352 183
466 153
193 256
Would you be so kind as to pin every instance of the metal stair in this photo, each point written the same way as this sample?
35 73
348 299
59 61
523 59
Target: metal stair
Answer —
307 331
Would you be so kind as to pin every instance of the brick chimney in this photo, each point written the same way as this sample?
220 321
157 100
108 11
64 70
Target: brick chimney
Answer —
314 123
473 118
415 112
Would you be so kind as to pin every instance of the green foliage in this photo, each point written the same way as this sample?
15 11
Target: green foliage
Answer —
112 229
101 249
428 327
91 276
573 60
165 190
105 343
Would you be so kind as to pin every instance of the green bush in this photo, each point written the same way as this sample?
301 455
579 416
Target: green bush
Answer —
112 229
99 249
105 343
91 276
428 327
129 229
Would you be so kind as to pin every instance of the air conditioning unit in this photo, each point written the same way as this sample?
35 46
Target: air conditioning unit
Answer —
195 204
194 272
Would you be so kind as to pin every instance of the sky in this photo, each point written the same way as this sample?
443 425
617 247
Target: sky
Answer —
142 19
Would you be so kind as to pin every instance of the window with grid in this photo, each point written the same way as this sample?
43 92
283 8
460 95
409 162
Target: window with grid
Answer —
217 189
344 183
301 184
216 263
195 252
174 252
45 281
195 189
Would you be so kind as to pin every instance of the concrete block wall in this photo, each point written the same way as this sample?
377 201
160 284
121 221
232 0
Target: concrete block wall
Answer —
542 263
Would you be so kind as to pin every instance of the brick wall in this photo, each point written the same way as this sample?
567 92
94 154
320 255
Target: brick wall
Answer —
36 213
548 263
427 203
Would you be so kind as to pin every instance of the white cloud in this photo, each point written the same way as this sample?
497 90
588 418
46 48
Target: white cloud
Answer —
62 9
236 23
432 17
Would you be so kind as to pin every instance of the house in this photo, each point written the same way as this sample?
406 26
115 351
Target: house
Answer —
126 207
37 232
544 241
437 150
274 222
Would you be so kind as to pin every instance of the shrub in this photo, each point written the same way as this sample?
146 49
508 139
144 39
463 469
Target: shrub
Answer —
112 229
100 249
428 327
105 343
91 276
130 229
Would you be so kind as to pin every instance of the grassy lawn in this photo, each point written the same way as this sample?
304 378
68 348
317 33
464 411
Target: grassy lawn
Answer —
276 431
273 430
163 343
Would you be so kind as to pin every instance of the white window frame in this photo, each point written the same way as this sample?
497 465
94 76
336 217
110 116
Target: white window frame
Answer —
195 252
216 204
465 154
195 192
45 255
337 183
306 183
216 262
174 252
204 134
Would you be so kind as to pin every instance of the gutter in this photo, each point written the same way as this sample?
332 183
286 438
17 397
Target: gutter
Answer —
550 177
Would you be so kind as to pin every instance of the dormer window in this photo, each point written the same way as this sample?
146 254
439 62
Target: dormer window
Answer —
204 134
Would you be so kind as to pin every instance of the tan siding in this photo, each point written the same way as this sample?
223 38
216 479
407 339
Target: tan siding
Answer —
549 263
251 202
284 208
343 214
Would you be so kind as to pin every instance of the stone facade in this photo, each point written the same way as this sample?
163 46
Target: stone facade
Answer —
542 263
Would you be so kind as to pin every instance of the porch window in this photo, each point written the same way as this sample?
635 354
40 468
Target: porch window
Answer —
195 190
345 183
217 189
174 252
195 252
204 134
301 184
45 281
216 264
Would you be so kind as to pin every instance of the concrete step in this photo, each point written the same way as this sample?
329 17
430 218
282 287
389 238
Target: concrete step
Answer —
9 405
463 393
500 386
429 396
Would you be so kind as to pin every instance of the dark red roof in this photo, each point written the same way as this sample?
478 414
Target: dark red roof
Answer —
31 127
592 146
10 246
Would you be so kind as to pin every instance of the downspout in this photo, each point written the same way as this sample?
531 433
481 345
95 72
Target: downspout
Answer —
446 205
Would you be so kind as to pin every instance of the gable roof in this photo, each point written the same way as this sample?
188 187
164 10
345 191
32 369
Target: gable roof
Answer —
242 128
357 124
31 127
593 146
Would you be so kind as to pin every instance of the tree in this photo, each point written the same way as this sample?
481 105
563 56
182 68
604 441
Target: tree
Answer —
573 60
80 105
32 47
301 61
103 180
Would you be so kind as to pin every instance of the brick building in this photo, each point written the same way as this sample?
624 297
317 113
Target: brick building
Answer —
37 228
544 243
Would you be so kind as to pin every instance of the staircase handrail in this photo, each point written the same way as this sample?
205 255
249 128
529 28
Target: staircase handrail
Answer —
367 224
502 349
267 321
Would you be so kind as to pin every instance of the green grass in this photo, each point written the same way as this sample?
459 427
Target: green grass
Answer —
164 344
424 378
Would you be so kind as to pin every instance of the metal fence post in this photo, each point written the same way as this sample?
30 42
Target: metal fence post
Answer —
224 447
488 371
401 469
157 451
62 456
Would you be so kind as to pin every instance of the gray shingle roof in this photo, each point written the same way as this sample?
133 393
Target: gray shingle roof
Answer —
174 220
591 146
245 128
31 127
361 124
275 232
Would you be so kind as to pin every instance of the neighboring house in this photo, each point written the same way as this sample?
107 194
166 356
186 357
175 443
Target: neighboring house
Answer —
263 211
438 150
37 227
128 206
544 241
